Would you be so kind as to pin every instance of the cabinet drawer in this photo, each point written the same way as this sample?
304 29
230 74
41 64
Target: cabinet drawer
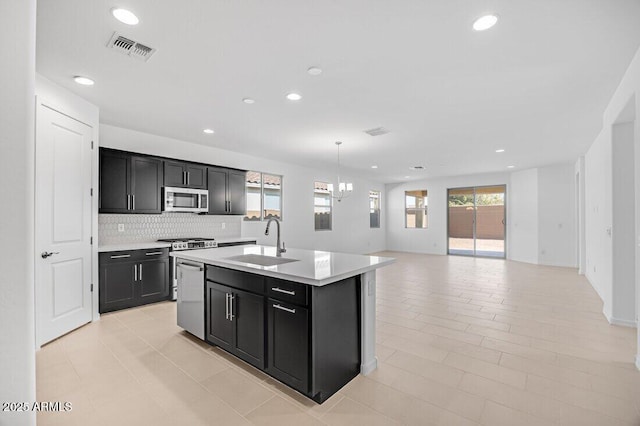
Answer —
288 291
237 279
129 255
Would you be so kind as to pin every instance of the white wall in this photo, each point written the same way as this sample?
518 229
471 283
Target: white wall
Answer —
540 214
17 86
623 221
557 216
432 240
522 216
599 210
351 232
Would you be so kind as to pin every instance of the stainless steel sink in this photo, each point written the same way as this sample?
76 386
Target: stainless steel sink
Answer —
258 259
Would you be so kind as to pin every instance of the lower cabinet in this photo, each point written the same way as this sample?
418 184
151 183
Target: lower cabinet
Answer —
133 278
235 322
307 337
288 344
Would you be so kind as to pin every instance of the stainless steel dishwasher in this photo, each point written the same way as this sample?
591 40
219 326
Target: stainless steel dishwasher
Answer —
190 299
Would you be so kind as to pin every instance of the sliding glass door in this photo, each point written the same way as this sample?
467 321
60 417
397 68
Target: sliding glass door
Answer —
476 221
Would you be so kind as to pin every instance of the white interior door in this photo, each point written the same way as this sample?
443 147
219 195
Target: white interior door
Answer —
63 224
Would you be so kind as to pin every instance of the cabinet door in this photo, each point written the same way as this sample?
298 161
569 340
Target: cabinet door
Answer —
153 280
174 174
248 316
196 176
219 329
117 286
114 182
237 192
288 344
146 182
217 190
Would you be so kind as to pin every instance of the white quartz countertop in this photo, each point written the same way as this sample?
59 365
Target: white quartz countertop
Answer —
155 244
311 267
235 240
132 246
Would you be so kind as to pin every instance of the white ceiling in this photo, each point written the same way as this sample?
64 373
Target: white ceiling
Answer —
536 84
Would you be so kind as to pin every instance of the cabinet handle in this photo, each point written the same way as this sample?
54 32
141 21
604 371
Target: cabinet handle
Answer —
153 253
135 273
120 256
133 202
128 202
282 308
184 178
231 316
280 290
188 177
226 306
140 274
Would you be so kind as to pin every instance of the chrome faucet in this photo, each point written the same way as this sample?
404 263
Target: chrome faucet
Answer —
279 250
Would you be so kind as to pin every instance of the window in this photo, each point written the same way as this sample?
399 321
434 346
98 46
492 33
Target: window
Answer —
264 196
415 208
374 209
322 206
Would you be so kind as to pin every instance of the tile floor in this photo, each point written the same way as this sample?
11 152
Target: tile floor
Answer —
461 341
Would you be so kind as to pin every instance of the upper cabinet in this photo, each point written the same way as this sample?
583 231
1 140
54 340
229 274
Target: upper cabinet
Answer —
227 194
185 175
129 183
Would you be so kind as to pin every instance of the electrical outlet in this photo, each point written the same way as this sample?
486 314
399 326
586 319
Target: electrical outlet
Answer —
224 225
121 227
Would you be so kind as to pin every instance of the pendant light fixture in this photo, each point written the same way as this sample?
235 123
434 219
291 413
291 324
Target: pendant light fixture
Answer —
344 188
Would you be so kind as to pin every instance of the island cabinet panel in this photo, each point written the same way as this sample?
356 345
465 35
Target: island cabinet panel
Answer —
308 337
219 329
288 344
234 317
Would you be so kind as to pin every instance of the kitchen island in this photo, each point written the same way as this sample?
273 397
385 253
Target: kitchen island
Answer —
306 318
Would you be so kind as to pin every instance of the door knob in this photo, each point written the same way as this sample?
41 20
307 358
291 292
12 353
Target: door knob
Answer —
46 254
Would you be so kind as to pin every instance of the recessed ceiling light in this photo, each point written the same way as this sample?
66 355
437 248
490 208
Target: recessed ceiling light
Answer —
510 167
500 150
208 131
406 177
314 70
85 81
294 96
374 167
125 16
485 22
249 101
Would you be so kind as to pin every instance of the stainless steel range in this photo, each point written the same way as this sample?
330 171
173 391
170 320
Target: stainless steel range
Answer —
179 244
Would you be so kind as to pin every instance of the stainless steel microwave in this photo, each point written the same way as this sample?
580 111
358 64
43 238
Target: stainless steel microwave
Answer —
185 200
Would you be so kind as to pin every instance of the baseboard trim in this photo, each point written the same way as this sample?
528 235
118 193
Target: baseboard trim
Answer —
617 321
370 366
623 323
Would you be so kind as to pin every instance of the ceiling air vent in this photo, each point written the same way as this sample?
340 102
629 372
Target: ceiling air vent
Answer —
416 168
378 131
130 47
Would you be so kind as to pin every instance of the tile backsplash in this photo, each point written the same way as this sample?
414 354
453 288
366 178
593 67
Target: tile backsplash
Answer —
139 228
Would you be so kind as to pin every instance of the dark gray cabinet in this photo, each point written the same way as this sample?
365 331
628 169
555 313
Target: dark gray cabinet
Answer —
227 193
235 322
133 278
129 183
307 337
288 344
185 175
